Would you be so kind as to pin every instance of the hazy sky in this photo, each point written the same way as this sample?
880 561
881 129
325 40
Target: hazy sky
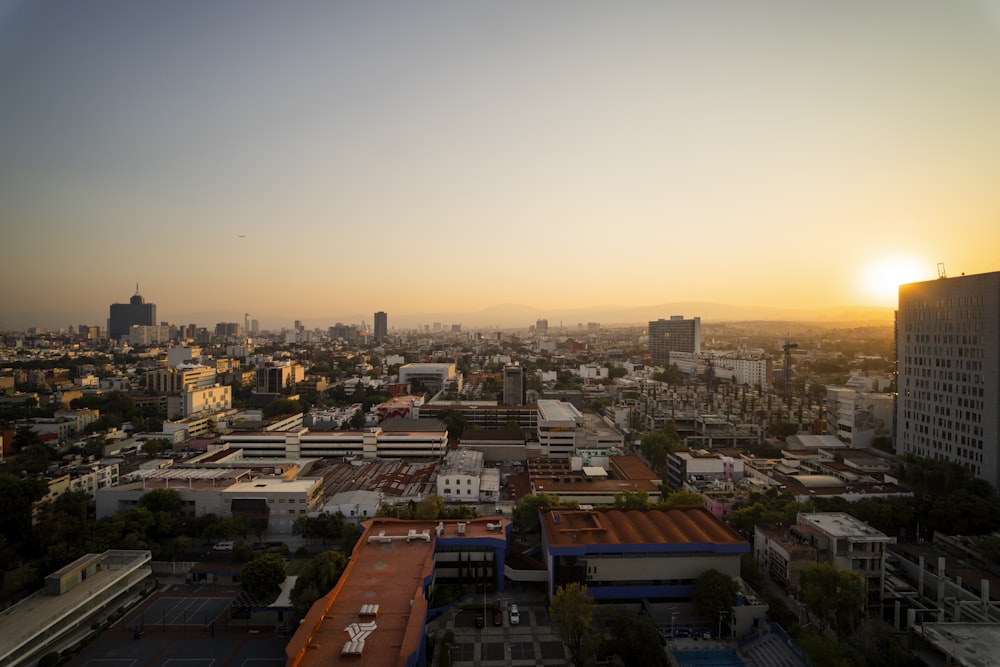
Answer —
317 160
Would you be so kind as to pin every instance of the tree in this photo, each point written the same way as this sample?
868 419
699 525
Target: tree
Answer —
572 611
349 536
36 457
835 596
525 513
714 592
768 508
627 500
156 446
656 445
681 499
316 580
16 499
162 500
357 420
262 577
634 638
429 508
25 437
822 650
455 422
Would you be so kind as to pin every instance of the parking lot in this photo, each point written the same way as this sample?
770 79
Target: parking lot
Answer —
530 642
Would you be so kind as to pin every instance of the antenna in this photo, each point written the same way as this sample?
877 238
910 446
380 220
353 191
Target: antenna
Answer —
941 273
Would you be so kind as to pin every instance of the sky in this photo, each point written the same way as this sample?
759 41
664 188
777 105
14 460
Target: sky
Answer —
324 160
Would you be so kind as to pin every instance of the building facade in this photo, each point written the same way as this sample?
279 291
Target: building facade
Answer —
513 385
857 418
674 335
948 364
381 326
124 316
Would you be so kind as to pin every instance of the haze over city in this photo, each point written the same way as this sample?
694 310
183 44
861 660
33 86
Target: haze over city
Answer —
322 161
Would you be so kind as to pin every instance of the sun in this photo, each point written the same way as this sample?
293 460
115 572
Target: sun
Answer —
882 279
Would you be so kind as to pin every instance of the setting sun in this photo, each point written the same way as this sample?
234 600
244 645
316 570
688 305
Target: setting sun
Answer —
882 279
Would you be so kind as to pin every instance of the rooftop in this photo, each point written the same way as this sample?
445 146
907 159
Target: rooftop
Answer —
379 599
840 524
678 525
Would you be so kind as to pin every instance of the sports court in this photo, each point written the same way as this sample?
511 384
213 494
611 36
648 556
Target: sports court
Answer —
179 612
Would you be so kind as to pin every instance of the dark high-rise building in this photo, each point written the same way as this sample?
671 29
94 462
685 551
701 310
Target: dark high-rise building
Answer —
513 385
673 335
948 372
381 326
124 316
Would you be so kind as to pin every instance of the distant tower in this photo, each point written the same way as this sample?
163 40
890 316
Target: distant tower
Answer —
673 335
541 327
124 316
513 385
381 327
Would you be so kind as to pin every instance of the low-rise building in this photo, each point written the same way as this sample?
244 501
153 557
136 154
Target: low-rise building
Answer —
640 554
836 538
377 612
68 603
593 485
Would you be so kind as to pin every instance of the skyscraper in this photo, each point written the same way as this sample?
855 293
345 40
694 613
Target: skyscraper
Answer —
124 315
948 372
673 335
513 385
381 326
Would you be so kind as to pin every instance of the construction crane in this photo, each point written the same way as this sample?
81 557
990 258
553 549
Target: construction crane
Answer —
788 347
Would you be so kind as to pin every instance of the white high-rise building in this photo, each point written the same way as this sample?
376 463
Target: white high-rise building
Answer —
948 365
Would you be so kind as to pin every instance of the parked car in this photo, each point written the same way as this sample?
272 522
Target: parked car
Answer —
515 615
682 632
497 616
223 546
480 618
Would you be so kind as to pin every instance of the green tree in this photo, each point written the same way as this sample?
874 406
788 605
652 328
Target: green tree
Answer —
572 611
25 437
682 499
349 536
35 458
262 577
714 592
17 496
769 508
357 420
634 639
627 500
316 580
822 650
834 596
162 500
284 406
656 445
455 422
156 446
429 508
525 512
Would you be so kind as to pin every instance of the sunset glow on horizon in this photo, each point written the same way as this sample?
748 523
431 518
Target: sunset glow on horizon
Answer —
324 161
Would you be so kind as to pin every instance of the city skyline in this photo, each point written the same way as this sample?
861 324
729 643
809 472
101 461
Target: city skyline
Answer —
334 160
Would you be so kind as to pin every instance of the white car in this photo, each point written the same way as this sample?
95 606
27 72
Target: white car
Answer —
515 615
